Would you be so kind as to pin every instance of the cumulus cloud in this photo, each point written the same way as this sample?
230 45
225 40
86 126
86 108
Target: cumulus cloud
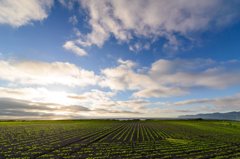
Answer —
43 73
70 45
123 77
22 12
152 19
194 72
167 78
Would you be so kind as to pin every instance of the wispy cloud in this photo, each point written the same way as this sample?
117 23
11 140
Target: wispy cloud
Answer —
73 20
220 103
67 3
170 110
78 33
77 97
139 46
135 104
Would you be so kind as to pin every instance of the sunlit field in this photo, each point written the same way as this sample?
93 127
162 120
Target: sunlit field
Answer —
120 139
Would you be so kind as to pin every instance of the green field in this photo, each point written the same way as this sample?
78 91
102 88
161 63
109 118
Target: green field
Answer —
120 139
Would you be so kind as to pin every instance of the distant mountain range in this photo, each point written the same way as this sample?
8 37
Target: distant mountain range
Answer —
229 115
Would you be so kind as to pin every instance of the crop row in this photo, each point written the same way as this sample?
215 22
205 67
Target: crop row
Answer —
119 139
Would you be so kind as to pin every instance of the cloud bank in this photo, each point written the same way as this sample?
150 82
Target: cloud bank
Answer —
15 108
43 73
166 78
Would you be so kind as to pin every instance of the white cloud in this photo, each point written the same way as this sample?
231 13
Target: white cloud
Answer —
223 103
85 44
138 46
163 66
131 48
67 3
22 12
101 99
73 19
135 104
123 77
97 98
43 73
193 72
80 97
94 99
164 78
105 104
78 33
147 46
70 45
152 19
160 92
167 78
99 95
114 112
39 94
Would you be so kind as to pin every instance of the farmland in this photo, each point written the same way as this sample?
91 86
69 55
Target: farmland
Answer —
96 139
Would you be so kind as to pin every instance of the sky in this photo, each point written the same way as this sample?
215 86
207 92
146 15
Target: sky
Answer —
78 59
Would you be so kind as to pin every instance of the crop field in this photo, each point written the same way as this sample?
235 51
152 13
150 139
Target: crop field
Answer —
97 139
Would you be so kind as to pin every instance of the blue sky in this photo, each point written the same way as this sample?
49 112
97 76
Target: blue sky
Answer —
62 59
